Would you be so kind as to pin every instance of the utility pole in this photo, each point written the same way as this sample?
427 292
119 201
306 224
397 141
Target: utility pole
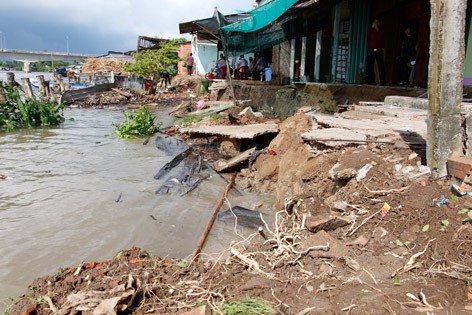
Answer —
1 41
446 67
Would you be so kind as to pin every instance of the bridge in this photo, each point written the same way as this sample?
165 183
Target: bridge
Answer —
29 56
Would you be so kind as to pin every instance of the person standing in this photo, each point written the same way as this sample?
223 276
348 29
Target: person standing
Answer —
406 57
375 46
190 62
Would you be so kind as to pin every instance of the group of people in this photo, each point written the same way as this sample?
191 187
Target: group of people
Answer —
252 69
406 57
243 69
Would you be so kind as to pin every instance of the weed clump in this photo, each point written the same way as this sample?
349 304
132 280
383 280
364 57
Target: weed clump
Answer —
139 122
17 112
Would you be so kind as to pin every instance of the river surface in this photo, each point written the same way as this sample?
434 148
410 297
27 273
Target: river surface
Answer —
78 193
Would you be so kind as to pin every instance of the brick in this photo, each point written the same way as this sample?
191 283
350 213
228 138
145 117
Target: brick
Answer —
457 173
461 163
459 166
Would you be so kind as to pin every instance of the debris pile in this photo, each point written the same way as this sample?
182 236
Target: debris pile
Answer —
100 65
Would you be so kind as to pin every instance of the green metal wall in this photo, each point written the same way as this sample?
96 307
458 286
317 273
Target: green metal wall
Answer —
359 24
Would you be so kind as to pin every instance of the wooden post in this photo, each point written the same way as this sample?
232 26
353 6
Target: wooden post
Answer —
303 59
11 79
204 236
319 36
334 51
292 59
445 79
43 85
27 87
59 81
3 97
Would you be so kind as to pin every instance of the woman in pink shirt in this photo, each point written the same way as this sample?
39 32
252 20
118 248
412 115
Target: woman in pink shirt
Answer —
190 62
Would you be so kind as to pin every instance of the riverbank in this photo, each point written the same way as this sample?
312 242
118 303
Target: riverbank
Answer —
359 228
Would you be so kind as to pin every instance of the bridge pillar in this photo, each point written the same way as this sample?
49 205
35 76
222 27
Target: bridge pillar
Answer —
27 66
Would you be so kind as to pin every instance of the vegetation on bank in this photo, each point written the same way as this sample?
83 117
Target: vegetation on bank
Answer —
40 66
154 64
139 122
18 112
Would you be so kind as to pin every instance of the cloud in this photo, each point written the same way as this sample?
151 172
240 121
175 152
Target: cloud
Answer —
99 26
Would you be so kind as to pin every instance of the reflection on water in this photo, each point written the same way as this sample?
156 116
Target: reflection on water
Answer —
60 207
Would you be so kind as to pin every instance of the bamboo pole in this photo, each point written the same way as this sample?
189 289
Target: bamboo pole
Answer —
203 237
225 49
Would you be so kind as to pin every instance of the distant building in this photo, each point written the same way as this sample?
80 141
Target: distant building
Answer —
126 56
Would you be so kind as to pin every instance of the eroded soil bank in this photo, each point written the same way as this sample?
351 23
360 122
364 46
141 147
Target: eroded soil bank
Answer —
358 229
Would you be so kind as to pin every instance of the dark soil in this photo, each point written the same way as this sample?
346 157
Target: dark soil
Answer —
420 248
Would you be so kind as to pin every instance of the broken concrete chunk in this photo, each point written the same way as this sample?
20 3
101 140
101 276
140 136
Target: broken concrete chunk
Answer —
362 173
218 85
329 224
340 205
346 173
247 111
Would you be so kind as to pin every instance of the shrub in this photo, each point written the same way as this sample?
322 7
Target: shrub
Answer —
16 112
137 123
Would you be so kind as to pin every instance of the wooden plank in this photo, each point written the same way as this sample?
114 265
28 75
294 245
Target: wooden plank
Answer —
216 107
223 165
74 95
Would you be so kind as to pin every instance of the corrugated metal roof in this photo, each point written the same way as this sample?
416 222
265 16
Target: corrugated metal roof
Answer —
306 3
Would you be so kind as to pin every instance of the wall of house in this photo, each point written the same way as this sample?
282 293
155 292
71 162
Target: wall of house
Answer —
183 52
206 55
394 15
281 63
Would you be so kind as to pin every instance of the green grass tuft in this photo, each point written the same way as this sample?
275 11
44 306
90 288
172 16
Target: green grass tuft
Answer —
247 307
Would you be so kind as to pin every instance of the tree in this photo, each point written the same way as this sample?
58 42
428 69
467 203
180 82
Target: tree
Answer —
152 63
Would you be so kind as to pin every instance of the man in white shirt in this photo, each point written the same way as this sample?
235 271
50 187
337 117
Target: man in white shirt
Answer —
242 68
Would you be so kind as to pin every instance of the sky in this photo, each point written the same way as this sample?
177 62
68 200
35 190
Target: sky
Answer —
99 26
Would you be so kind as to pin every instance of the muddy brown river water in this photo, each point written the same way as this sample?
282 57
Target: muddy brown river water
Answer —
59 206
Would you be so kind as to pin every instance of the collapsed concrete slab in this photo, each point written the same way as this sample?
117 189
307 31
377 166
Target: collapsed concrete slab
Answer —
392 111
381 127
236 132
334 137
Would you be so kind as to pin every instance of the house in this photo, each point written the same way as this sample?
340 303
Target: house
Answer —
326 41
205 43
319 40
